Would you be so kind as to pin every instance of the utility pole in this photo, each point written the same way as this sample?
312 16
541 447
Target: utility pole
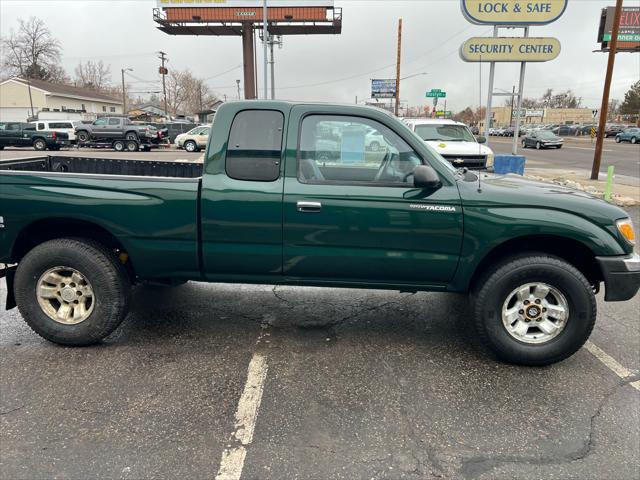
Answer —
513 95
265 38
163 72
273 82
238 85
604 108
398 66
124 91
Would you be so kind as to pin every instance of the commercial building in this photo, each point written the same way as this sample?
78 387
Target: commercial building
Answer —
18 98
502 116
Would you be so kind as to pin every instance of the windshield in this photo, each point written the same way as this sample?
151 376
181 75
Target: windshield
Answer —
546 134
450 133
435 156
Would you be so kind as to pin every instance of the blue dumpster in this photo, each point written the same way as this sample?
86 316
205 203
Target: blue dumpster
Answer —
509 164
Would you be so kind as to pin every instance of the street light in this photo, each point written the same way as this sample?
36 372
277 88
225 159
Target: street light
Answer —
124 93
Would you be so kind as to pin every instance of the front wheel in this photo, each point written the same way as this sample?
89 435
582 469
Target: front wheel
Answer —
82 136
534 310
72 292
191 146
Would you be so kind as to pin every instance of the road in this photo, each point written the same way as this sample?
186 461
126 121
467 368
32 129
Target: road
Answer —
314 383
577 154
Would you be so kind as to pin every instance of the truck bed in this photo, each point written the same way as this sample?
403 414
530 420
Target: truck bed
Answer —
104 166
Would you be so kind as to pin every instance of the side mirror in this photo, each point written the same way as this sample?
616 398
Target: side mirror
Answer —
481 139
426 177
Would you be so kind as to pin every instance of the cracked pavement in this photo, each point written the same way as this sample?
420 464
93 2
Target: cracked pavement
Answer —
361 384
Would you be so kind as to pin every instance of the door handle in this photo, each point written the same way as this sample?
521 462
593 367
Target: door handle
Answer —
309 207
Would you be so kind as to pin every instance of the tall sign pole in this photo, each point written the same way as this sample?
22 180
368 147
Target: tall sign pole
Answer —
163 72
604 108
516 130
492 73
397 108
265 39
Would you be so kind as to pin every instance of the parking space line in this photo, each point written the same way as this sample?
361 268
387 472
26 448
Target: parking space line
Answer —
611 363
233 457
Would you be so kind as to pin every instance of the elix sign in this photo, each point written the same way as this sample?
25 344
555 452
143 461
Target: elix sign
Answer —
513 12
509 49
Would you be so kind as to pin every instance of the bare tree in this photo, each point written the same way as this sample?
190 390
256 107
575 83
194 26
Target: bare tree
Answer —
32 52
187 94
93 75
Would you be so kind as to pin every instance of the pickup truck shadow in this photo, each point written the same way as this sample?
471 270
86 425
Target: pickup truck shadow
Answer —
203 312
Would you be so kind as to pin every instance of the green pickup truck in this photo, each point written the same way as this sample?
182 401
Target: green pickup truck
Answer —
21 134
289 194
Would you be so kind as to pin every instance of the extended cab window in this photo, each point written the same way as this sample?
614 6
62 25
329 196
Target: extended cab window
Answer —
255 146
353 150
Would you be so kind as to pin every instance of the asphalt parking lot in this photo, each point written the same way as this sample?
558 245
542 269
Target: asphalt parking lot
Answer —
314 383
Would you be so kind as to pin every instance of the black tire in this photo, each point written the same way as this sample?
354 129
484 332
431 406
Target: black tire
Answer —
191 146
118 146
98 265
132 146
82 136
39 144
131 136
494 288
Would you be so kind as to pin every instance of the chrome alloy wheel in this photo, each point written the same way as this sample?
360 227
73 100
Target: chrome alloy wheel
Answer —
65 295
535 313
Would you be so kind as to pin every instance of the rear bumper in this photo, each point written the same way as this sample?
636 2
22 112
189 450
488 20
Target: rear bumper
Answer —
621 276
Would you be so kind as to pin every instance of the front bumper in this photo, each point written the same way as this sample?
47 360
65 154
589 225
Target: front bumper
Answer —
621 276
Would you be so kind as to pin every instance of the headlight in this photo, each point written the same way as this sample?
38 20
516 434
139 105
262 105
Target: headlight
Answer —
490 158
625 227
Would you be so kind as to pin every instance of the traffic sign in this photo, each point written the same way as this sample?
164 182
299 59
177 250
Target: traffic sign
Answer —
594 112
436 93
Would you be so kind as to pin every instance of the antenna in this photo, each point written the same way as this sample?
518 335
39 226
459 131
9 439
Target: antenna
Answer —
486 127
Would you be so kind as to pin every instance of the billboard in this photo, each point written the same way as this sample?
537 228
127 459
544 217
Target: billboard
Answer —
629 29
383 88
513 12
509 49
244 3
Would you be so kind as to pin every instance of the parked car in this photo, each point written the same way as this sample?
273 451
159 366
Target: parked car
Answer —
499 132
542 139
586 129
195 139
454 141
612 130
262 210
22 134
631 134
66 126
475 130
111 128
565 130
510 132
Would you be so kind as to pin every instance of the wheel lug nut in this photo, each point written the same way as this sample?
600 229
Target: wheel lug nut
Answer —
521 312
538 301
544 309
526 302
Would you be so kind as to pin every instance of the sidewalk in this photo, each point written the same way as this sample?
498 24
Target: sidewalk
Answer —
625 190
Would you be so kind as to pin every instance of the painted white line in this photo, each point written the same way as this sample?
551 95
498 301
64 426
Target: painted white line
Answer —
611 363
232 461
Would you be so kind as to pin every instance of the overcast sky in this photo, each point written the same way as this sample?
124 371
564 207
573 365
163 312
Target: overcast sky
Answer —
123 34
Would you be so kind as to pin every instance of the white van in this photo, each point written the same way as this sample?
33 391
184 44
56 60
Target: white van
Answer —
66 126
454 141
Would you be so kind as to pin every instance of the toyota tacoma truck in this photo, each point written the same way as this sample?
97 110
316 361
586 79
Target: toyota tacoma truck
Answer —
112 128
268 206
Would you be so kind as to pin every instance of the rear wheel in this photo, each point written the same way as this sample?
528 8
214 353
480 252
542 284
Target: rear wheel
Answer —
71 291
39 144
191 146
534 309
132 146
118 146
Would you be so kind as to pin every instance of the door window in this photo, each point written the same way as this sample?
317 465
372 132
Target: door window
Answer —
255 146
100 121
41 126
353 150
